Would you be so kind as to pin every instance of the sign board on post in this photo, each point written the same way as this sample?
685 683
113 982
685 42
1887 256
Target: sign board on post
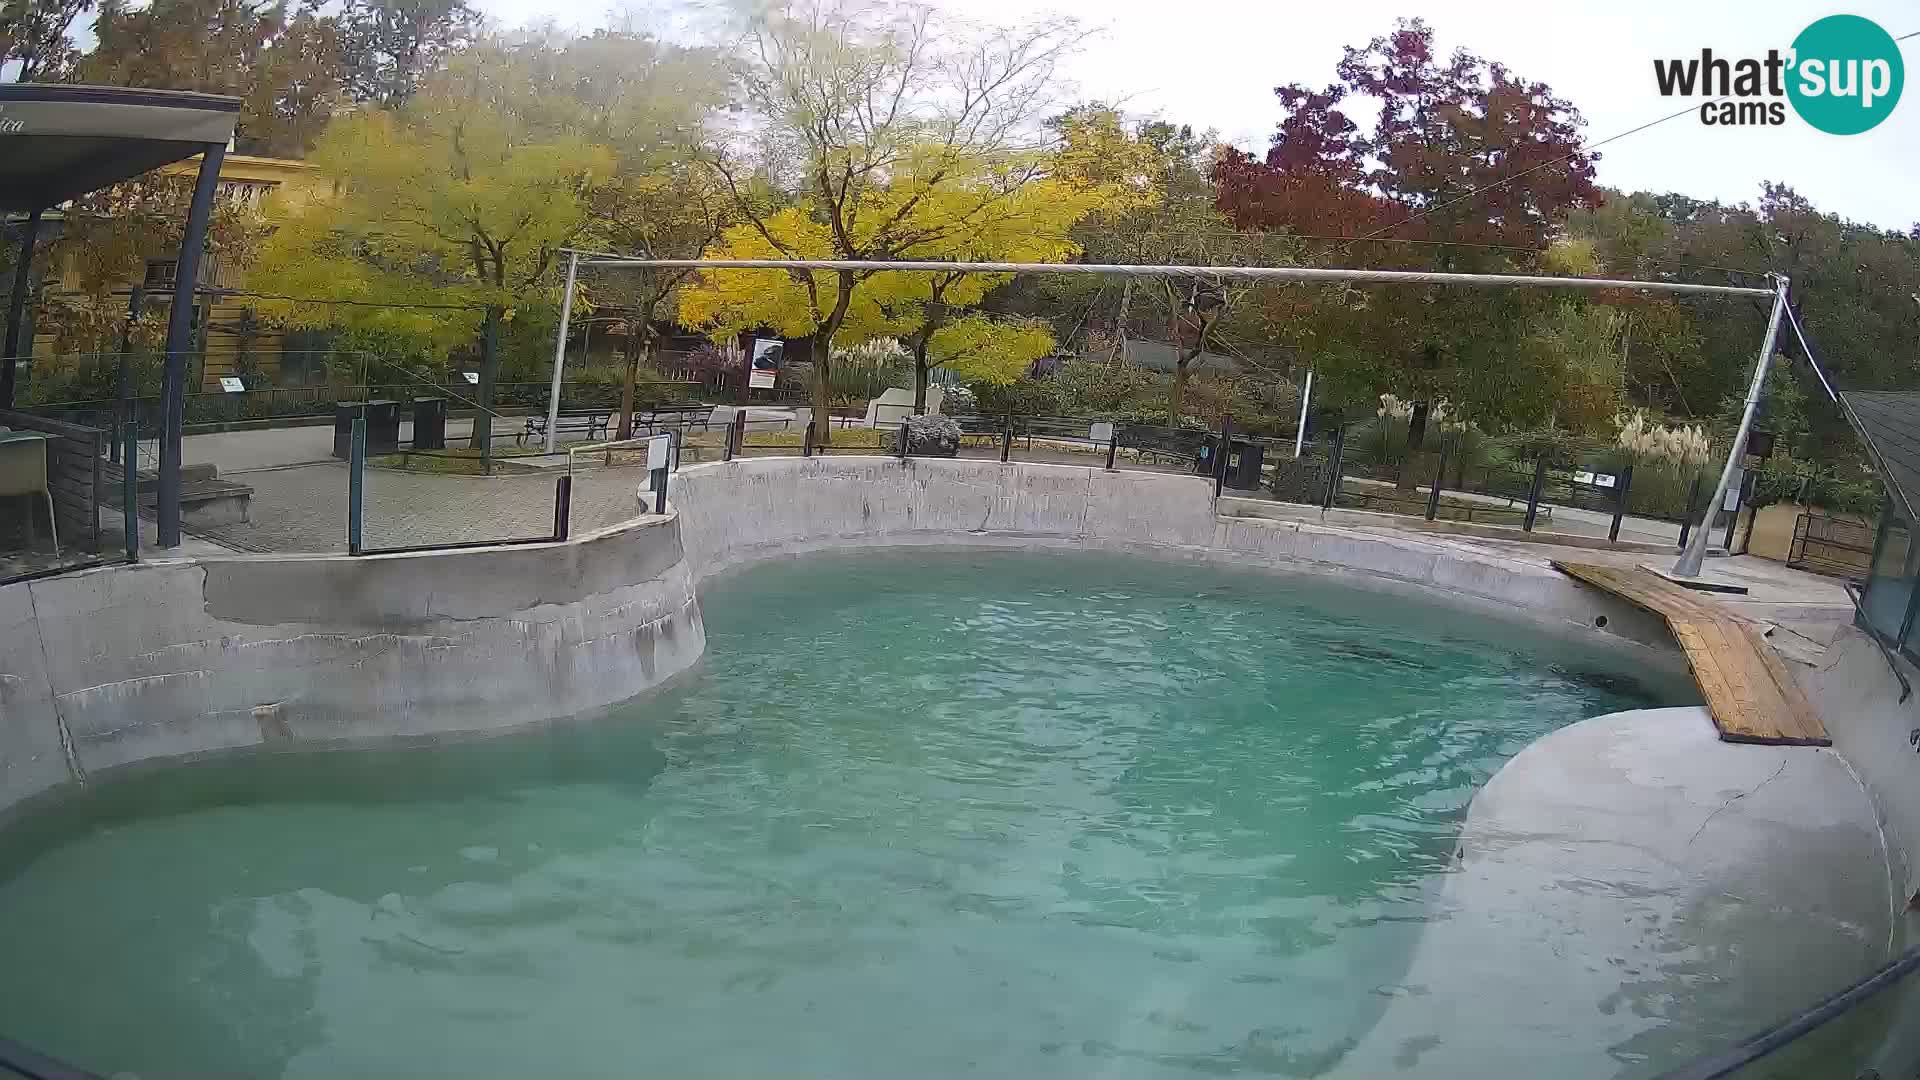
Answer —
1100 432
1605 480
765 369
1732 499
232 385
472 377
658 449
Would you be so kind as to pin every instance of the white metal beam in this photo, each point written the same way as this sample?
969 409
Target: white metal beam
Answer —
1253 273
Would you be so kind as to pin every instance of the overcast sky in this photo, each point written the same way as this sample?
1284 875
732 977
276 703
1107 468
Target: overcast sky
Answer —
1214 64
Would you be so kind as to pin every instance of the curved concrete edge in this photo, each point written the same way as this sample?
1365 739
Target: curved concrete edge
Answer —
1630 888
736 513
172 659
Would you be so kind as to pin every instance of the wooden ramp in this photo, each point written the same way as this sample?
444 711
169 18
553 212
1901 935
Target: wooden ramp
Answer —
1750 694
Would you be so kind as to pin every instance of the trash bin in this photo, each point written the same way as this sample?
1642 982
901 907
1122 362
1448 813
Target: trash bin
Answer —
383 426
429 423
1203 457
1243 464
343 414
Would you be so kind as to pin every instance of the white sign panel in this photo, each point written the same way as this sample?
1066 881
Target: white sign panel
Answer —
659 451
472 377
232 385
767 355
1732 499
1101 432
1605 480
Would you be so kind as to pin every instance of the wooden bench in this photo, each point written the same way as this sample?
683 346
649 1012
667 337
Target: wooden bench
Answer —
593 423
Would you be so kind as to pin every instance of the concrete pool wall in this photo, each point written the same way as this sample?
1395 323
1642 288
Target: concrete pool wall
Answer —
169 659
750 509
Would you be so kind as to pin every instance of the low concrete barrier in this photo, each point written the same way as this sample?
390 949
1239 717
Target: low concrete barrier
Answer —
170 659
750 509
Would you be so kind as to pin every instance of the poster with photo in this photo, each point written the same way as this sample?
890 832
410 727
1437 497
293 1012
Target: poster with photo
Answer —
766 363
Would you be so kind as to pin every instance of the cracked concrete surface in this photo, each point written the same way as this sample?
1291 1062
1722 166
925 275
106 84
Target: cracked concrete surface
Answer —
175 658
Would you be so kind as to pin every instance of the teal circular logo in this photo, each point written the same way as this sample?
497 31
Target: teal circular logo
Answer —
1846 74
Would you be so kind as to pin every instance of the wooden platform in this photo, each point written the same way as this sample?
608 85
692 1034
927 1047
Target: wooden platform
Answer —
1750 694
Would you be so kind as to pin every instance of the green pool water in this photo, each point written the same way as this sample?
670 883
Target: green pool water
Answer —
915 815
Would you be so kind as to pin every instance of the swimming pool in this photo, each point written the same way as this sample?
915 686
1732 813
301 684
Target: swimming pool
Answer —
916 814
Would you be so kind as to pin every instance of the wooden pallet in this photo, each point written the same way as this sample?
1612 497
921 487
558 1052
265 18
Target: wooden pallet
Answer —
1750 693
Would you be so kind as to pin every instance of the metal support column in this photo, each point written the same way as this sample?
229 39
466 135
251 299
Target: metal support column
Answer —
1300 431
179 332
562 505
17 308
356 483
1439 479
130 489
1533 492
1689 562
560 354
1620 503
1336 463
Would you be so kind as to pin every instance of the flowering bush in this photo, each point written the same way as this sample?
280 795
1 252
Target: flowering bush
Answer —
1649 441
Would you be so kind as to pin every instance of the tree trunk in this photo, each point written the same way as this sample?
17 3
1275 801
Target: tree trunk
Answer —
920 384
489 370
626 384
822 387
823 359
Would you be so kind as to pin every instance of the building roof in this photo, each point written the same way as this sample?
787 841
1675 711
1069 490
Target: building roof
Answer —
60 142
1889 422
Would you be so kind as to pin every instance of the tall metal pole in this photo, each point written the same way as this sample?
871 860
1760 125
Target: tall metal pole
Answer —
560 354
1300 433
1696 550
179 331
17 310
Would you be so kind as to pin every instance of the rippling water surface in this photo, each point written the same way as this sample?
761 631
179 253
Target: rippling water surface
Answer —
917 815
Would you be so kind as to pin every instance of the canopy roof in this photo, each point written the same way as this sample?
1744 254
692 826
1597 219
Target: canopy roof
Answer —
58 142
1889 421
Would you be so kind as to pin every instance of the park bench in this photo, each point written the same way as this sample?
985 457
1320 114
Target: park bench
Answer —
675 417
593 423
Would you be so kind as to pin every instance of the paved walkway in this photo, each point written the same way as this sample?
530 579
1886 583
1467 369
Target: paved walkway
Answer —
300 493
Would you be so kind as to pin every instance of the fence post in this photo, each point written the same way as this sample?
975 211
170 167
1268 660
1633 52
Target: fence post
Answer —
1439 478
737 435
1221 455
1620 505
1113 447
1006 440
1336 455
130 487
726 443
806 441
1533 493
901 445
562 505
356 478
1686 519
659 483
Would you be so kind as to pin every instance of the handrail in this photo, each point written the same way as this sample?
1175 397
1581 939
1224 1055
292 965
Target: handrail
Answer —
1755 1047
1859 607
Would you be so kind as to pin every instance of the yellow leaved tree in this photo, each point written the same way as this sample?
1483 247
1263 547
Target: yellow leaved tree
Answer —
460 199
880 134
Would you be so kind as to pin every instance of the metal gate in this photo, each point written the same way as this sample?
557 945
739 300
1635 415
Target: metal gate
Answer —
1830 545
